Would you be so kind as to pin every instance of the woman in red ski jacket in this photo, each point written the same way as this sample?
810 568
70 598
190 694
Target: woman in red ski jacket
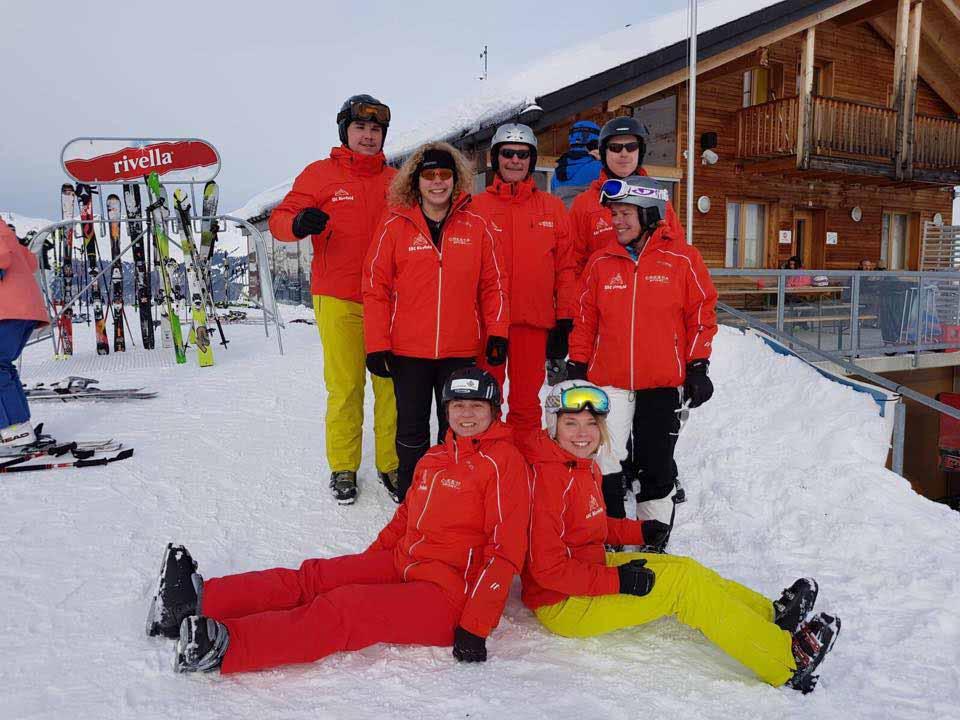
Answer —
432 278
438 574
576 589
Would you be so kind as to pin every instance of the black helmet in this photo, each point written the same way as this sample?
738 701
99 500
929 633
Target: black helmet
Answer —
471 383
622 126
362 107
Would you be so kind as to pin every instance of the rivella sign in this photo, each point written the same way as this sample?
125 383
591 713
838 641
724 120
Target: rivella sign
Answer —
116 160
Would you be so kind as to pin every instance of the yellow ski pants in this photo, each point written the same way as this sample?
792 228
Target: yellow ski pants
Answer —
345 374
734 617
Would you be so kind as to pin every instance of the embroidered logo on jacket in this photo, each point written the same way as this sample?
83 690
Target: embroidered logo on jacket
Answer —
546 223
662 279
420 243
615 283
601 226
595 508
450 483
341 195
459 240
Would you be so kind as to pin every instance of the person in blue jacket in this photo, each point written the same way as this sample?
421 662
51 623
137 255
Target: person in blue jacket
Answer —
580 165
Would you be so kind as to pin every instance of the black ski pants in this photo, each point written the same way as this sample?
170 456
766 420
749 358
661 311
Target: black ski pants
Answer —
417 382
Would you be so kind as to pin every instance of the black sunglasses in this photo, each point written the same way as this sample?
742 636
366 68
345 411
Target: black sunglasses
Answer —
620 147
511 153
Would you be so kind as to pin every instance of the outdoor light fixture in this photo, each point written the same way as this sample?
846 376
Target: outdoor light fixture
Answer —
703 204
709 157
856 213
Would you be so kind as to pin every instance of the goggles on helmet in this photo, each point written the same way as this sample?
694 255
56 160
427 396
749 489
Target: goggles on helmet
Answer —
360 110
576 399
614 190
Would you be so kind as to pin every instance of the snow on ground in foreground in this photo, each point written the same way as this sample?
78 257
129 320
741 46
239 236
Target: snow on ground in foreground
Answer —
781 469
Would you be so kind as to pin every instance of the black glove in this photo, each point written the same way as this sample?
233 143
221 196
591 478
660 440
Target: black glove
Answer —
378 363
635 579
558 339
468 647
309 221
655 533
496 350
576 370
697 386
556 371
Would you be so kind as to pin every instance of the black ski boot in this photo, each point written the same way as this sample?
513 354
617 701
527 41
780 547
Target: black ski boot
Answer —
343 484
201 646
811 643
390 480
178 592
795 604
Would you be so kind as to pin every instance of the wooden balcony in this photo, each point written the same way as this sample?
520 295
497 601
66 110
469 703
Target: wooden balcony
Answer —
846 138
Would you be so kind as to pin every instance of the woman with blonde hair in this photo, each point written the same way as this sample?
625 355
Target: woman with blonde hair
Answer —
432 278
577 590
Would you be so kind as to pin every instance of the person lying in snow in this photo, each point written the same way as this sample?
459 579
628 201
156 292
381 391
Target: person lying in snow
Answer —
437 574
577 590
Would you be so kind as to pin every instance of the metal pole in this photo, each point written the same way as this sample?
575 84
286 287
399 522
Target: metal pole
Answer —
899 430
781 299
855 315
691 115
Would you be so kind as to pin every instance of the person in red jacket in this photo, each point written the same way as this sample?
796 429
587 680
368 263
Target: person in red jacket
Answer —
337 203
532 230
438 574
432 278
644 332
578 590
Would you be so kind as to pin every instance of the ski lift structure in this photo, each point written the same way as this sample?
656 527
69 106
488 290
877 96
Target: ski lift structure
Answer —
110 161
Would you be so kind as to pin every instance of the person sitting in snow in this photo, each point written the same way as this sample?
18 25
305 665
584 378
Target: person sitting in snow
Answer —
577 590
437 574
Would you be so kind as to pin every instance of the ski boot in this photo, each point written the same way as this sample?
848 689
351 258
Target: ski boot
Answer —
178 592
390 480
795 604
811 643
201 645
343 484
17 435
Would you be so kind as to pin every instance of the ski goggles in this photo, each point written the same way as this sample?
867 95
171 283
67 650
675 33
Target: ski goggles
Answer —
366 111
577 399
616 190
431 174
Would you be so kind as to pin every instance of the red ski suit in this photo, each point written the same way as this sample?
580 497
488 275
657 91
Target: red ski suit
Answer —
426 302
352 189
568 528
447 558
641 321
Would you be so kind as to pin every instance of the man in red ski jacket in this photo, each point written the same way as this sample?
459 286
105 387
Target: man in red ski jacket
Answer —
531 228
338 202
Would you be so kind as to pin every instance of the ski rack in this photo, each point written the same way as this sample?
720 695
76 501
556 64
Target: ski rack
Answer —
267 294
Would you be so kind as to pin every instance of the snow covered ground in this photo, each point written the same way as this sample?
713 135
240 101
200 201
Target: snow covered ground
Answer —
783 470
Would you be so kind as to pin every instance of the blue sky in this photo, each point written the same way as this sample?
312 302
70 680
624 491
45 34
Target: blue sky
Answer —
261 81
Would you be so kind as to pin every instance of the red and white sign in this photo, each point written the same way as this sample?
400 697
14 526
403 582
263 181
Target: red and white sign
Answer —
115 160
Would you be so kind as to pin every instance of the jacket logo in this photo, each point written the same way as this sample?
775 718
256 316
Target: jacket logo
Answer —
494 586
601 226
595 508
341 195
450 483
662 279
420 243
458 240
496 227
615 283
546 223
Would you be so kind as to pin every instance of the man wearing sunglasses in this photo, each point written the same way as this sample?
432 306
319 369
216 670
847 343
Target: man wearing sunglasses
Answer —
531 229
644 331
337 203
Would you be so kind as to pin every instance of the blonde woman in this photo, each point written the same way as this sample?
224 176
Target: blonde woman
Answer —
432 278
577 590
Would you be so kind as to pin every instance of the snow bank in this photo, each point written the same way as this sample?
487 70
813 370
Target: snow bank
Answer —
781 473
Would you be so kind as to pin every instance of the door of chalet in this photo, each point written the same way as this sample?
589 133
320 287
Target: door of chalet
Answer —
808 237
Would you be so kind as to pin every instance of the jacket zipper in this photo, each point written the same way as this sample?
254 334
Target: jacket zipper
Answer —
423 512
633 305
436 346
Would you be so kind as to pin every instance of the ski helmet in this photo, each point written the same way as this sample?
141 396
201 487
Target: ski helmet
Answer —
572 396
649 195
513 133
622 126
362 107
583 134
471 383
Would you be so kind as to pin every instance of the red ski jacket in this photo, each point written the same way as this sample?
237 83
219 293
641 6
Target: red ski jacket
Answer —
532 230
425 302
568 528
464 522
20 297
641 321
351 189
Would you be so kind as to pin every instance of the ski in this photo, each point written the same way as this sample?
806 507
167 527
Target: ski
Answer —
81 388
195 281
139 238
68 199
85 198
209 230
116 272
81 463
167 264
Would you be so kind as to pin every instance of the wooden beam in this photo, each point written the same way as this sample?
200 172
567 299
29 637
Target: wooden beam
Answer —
900 52
939 32
805 121
905 168
865 12
951 7
715 61
758 58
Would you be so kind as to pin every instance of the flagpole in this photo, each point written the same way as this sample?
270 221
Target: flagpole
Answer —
691 115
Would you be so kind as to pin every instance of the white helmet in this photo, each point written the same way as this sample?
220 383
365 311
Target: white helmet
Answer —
513 133
553 405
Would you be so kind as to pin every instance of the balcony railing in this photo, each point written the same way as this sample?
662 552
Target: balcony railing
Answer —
768 130
841 127
937 143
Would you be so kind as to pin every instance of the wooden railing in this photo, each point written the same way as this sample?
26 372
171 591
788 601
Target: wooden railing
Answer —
936 143
850 128
768 130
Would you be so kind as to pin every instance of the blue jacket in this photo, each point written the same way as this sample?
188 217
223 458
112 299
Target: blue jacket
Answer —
575 167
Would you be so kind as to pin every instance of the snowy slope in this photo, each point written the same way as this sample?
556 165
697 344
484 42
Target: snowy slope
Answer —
22 223
783 474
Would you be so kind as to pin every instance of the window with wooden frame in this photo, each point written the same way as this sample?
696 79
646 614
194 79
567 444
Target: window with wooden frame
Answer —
762 84
659 117
895 240
746 235
822 78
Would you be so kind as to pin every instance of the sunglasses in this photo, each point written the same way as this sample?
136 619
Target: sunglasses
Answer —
620 147
509 153
366 111
436 174
576 399
613 190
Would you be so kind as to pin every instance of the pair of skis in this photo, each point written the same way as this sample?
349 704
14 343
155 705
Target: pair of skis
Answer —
81 388
83 454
